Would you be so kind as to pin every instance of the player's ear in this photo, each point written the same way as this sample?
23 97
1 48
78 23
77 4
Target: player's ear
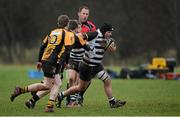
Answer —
78 14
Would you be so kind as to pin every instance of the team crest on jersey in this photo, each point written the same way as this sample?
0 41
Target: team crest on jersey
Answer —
53 39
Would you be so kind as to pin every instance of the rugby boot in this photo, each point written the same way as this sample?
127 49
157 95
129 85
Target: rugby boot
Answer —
17 92
118 103
30 104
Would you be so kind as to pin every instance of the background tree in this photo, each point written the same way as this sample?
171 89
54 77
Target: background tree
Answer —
143 29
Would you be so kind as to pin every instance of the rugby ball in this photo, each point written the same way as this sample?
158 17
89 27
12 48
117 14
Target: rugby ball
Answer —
109 43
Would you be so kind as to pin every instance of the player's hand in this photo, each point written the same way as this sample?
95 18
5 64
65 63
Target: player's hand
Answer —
112 47
39 66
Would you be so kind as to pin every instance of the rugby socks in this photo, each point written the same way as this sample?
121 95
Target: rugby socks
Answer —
68 97
50 103
34 99
81 93
112 100
61 95
73 97
24 89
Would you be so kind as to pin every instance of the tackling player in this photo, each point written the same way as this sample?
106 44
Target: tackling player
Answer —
76 55
58 47
91 65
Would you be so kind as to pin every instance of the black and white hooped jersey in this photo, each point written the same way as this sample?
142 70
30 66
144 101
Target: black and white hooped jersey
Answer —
77 54
96 42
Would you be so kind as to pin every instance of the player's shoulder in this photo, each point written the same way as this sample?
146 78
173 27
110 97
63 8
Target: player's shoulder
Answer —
91 23
56 31
69 34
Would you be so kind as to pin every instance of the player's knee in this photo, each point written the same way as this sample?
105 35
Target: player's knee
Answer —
58 84
71 79
57 81
104 76
48 85
107 82
82 88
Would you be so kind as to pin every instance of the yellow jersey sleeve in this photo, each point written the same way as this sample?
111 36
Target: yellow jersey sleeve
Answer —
81 40
69 39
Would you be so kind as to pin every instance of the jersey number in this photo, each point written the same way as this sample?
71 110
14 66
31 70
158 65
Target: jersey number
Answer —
53 39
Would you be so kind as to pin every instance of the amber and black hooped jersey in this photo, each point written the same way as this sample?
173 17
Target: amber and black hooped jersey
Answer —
55 43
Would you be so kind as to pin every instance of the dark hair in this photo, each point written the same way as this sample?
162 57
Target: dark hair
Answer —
73 24
83 7
62 21
106 27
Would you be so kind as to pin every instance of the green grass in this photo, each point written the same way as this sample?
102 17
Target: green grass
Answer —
144 97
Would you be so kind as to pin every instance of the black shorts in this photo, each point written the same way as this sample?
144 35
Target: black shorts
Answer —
86 72
50 70
74 65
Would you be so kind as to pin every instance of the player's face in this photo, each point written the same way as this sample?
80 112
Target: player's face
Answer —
83 15
78 29
108 34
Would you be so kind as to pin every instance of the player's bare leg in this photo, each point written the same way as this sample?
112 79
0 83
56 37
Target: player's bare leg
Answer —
32 88
38 95
53 94
72 90
103 75
71 99
31 102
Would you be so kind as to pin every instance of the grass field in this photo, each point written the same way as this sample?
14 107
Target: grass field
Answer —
144 97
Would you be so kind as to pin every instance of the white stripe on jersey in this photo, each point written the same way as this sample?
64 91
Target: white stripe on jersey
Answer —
98 51
77 54
92 59
96 55
77 49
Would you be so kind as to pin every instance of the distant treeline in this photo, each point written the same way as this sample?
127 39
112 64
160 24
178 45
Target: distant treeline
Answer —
143 28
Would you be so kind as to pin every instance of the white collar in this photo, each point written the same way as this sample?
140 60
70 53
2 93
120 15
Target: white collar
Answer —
99 33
